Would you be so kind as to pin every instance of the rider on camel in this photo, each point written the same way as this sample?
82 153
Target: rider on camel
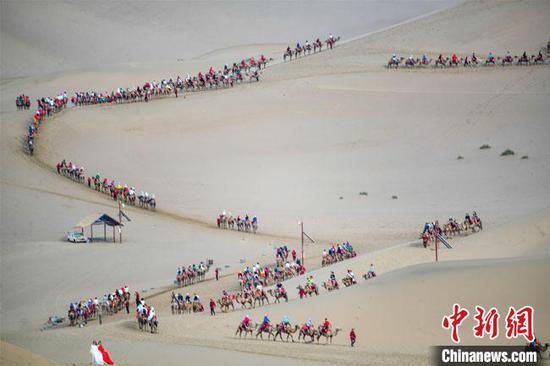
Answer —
351 276
246 321
308 325
454 59
325 327
265 323
372 271
332 277
285 323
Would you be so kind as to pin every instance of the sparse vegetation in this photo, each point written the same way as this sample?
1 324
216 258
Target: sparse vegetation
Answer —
484 147
508 152
363 193
524 157
460 157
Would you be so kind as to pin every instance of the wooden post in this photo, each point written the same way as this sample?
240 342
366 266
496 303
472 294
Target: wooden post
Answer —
302 228
92 232
436 245
105 231
114 236
120 220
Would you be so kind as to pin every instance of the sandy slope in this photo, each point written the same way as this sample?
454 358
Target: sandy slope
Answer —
286 149
11 355
69 35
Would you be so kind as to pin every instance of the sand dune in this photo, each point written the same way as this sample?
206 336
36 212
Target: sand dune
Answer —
74 36
299 145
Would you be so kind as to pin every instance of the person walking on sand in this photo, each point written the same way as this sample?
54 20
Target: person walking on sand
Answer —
352 337
212 307
99 312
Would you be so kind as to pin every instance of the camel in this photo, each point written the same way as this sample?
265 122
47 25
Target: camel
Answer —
508 60
278 295
250 329
72 318
328 334
348 281
317 45
225 303
142 322
269 329
311 332
451 228
288 330
394 62
244 299
311 289
153 324
329 286
261 297
467 225
441 62
186 307
197 307
175 305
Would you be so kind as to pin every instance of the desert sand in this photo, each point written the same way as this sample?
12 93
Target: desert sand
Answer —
298 146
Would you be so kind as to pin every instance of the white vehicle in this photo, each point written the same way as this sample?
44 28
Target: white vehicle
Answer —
76 237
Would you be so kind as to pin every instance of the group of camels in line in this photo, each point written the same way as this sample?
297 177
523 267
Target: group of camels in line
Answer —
116 191
278 330
249 299
191 275
471 224
466 61
84 311
308 48
242 223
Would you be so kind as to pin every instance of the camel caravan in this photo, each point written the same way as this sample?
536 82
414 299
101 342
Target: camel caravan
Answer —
81 312
307 332
337 253
247 70
251 277
185 304
467 61
348 280
117 191
250 298
241 223
471 224
192 274
308 48
47 106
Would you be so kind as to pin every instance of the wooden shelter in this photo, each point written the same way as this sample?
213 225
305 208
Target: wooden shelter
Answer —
98 220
